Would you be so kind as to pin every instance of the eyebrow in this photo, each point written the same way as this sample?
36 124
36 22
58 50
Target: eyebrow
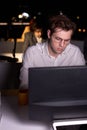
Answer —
62 38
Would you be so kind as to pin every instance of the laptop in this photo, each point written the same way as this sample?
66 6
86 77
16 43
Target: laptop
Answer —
58 92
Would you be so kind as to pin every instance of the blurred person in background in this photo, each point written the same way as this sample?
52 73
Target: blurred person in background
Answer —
35 34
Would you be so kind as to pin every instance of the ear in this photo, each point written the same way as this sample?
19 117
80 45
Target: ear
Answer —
48 33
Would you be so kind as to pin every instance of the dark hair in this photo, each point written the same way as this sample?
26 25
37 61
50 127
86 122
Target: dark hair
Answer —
34 25
60 21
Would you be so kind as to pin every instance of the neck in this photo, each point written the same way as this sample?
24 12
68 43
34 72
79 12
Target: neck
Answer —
51 51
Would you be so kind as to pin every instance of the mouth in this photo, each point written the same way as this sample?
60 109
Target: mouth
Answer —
58 49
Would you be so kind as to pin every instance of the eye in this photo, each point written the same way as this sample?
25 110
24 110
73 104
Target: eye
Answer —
67 40
58 39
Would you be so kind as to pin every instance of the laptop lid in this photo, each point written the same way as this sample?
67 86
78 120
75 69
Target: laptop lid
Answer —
58 86
60 90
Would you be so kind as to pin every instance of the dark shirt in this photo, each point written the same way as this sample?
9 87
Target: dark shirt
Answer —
30 40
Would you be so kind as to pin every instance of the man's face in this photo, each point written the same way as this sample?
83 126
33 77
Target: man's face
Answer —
58 41
38 33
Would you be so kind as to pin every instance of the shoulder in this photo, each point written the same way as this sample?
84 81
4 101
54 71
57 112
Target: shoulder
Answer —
28 34
74 47
36 48
32 51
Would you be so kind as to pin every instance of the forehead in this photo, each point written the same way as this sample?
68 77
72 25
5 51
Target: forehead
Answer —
38 30
63 33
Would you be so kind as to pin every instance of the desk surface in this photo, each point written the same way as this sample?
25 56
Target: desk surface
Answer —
16 117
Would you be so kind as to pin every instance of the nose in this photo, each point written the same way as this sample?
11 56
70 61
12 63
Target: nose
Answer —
62 43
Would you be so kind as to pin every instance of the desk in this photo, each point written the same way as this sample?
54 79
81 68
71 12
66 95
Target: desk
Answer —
15 117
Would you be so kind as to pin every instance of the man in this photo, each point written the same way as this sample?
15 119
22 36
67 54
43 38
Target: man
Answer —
35 35
56 51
